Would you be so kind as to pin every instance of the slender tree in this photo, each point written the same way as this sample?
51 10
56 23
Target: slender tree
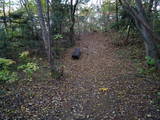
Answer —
117 19
72 16
45 31
4 14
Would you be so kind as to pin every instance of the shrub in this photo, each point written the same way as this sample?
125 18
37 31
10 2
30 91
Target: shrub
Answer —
150 61
5 74
24 56
151 68
29 69
8 76
5 63
58 36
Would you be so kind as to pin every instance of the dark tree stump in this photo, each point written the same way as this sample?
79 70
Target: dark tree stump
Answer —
76 54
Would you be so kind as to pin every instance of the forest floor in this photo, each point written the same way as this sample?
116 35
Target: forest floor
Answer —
99 86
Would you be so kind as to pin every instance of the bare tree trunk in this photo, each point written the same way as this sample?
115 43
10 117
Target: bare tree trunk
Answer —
48 16
149 36
72 13
9 12
48 20
4 22
117 13
128 33
4 15
45 31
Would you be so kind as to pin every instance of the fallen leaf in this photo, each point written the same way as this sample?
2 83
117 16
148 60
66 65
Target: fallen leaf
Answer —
103 89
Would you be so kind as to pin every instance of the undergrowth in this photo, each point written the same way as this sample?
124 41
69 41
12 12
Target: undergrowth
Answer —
144 65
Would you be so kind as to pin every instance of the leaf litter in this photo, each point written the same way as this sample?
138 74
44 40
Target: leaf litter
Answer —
99 86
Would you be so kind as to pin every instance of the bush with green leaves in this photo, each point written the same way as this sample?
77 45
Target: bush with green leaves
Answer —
152 68
6 75
57 48
27 66
152 64
24 56
146 71
29 69
58 36
150 61
5 63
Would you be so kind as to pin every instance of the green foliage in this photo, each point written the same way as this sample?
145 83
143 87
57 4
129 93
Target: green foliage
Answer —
108 6
6 62
4 69
158 99
114 25
60 16
5 74
57 48
19 34
150 61
147 71
17 14
24 55
157 25
85 11
29 69
8 76
58 36
27 66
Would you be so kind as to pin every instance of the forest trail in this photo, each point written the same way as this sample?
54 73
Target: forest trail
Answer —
101 86
93 79
98 86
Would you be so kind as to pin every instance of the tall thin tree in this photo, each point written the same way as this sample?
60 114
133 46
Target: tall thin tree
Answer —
45 31
72 16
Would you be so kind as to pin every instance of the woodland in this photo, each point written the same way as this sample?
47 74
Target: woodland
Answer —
79 59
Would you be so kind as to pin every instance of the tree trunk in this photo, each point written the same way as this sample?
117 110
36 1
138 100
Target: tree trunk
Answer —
117 14
149 36
150 43
4 15
128 33
145 29
45 32
72 15
72 32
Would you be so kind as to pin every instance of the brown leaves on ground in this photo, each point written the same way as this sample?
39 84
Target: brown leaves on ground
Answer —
98 86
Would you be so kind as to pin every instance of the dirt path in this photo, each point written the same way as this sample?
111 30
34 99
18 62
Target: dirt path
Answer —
99 86
98 68
94 71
